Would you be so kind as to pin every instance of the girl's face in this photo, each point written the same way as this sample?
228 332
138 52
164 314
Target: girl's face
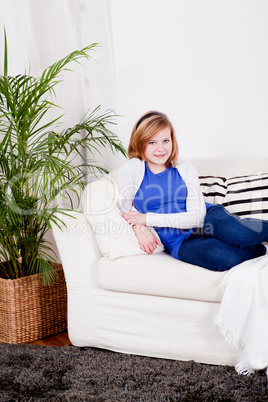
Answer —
158 150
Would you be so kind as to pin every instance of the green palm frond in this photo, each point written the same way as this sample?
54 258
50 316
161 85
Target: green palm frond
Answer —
5 54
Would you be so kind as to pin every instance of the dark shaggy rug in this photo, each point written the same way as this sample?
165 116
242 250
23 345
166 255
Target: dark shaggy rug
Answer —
44 373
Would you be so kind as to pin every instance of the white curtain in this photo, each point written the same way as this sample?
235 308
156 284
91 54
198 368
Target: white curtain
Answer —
41 32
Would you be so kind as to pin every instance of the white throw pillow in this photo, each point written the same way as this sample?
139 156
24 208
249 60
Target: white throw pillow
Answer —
115 237
213 188
247 196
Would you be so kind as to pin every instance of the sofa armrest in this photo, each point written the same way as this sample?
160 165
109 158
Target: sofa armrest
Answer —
78 249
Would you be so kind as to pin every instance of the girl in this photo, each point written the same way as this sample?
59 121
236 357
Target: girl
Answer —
166 194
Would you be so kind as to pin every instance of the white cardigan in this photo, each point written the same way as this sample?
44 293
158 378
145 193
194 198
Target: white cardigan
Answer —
129 178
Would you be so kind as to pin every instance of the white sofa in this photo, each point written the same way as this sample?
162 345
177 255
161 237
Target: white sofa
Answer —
150 305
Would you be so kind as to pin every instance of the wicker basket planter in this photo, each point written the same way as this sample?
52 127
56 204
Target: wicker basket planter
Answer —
29 310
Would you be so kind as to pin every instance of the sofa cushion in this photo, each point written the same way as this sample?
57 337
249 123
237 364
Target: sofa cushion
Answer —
115 237
213 188
160 275
247 196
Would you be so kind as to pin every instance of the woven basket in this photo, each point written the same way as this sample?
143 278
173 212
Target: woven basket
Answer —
29 310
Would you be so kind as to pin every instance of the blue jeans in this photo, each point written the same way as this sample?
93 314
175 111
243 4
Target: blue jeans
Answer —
224 241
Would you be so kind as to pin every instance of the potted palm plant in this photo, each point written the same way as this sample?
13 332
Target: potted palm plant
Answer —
39 166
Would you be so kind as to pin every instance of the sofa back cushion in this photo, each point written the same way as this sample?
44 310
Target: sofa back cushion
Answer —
246 196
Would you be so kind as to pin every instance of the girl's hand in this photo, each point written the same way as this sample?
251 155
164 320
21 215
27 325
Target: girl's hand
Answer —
147 240
135 218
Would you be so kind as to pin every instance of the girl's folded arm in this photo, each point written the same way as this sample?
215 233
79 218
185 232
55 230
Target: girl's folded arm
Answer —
195 204
181 220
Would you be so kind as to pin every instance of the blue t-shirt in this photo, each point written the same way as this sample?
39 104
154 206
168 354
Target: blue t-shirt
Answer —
164 193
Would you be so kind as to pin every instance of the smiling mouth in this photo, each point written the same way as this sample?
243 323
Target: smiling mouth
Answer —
160 156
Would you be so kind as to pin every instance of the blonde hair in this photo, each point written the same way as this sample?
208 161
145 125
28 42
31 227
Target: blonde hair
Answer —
144 129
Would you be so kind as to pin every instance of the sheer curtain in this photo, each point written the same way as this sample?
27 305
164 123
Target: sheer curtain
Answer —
41 32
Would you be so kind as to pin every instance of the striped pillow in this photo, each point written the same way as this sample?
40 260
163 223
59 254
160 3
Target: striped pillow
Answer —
247 196
213 188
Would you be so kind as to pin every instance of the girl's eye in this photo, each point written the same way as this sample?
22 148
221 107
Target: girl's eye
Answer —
165 141
151 142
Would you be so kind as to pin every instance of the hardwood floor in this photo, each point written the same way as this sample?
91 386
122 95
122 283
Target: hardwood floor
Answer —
61 339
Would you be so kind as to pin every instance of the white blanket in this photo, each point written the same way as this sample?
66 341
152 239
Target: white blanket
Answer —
243 315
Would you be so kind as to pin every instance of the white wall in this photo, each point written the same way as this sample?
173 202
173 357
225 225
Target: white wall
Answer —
204 63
